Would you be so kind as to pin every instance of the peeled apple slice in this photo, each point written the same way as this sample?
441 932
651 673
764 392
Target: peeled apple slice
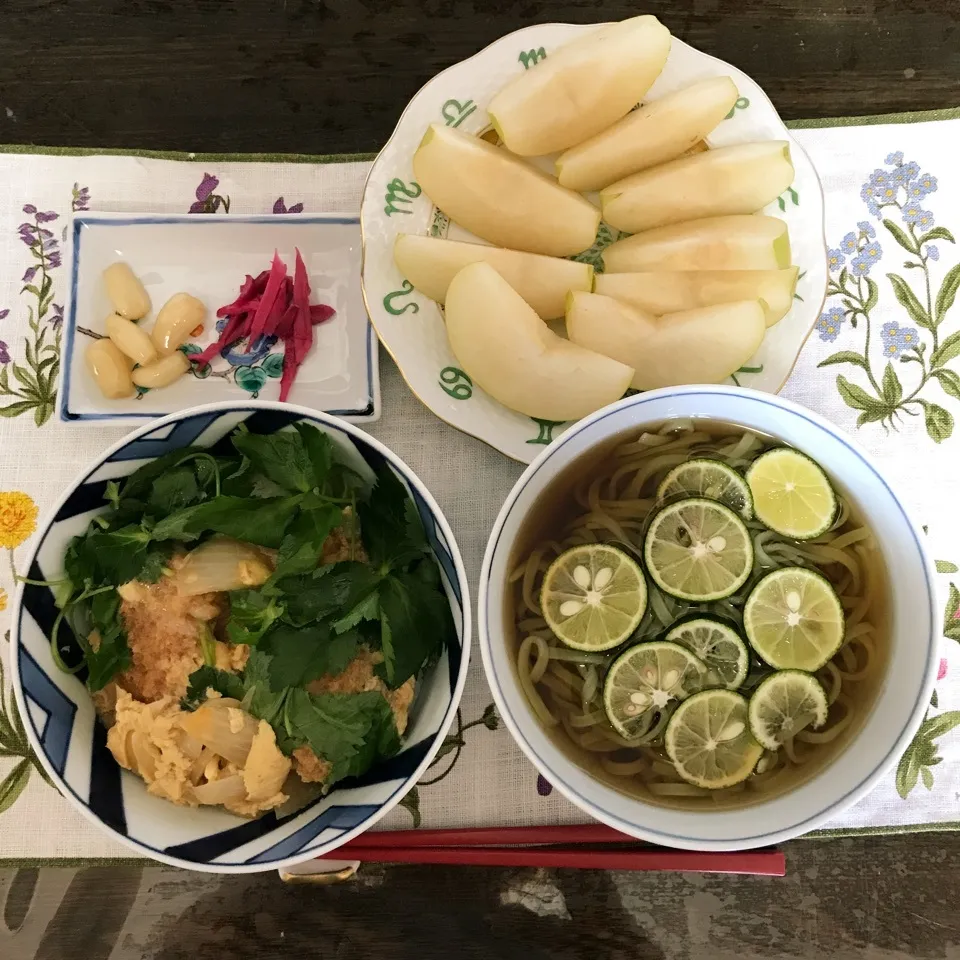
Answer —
694 346
430 263
580 88
658 131
500 198
740 179
514 356
715 243
660 293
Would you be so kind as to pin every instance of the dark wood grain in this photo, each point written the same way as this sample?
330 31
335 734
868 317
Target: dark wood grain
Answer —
326 76
889 897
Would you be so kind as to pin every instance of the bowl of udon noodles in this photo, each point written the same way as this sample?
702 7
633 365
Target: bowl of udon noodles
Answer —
708 619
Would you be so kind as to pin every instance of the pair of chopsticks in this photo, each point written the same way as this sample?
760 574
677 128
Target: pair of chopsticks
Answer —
587 846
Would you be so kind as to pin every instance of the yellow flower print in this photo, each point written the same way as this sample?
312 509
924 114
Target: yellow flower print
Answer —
18 518
3 599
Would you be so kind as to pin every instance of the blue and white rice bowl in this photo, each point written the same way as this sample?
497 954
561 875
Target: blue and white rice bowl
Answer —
62 724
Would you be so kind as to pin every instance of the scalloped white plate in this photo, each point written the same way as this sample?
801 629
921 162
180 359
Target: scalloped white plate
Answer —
411 327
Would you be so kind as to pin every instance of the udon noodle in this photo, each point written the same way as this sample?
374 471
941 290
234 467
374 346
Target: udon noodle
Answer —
610 501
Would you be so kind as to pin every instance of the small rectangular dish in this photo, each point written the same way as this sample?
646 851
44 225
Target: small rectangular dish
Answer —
208 257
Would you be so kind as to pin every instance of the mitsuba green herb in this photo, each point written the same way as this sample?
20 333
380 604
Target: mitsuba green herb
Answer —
287 491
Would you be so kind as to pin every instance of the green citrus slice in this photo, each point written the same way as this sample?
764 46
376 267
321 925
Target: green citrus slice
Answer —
593 597
794 620
718 645
649 676
709 740
712 479
698 549
791 494
785 703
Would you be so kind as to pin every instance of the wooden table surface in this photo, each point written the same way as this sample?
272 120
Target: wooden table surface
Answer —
331 76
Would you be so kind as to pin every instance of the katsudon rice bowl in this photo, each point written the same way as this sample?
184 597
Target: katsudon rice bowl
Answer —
243 635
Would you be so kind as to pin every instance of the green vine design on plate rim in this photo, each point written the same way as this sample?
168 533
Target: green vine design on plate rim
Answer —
886 397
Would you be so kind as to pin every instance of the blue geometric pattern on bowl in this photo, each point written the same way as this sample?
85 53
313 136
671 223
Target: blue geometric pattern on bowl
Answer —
62 723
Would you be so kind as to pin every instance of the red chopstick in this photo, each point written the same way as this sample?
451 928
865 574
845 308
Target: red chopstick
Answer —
771 864
548 846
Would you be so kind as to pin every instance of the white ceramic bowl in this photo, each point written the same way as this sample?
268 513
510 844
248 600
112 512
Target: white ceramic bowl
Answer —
910 671
62 725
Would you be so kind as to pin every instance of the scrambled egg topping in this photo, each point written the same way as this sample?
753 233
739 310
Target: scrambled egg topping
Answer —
152 740
217 754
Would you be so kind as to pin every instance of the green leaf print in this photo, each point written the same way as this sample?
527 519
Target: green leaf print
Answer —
901 237
949 381
951 616
937 233
908 300
945 566
13 784
947 351
922 752
892 389
948 292
844 356
939 422
854 396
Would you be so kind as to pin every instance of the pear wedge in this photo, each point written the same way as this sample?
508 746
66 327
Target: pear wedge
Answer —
580 88
514 356
499 197
716 243
656 132
430 263
743 178
660 293
694 346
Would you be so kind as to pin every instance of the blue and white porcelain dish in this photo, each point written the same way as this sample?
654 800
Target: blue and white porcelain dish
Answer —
71 743
207 255
912 616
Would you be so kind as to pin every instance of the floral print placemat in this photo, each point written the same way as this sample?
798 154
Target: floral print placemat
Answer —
883 362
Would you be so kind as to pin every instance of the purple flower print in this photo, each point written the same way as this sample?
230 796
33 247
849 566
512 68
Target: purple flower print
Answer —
207 201
544 787
280 207
81 198
41 363
942 671
933 253
208 184
4 349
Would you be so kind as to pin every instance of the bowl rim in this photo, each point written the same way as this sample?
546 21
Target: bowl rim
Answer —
555 777
456 693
